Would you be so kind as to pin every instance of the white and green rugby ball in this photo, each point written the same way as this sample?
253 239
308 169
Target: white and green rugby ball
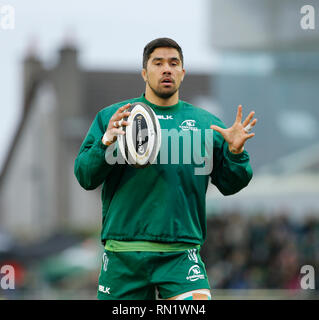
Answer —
141 142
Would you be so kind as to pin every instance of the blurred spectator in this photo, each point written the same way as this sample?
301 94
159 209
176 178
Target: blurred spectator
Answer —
259 251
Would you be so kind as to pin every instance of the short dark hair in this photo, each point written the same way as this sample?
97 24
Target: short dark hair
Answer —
160 43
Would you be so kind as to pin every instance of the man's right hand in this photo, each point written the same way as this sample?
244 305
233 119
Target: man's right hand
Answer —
114 125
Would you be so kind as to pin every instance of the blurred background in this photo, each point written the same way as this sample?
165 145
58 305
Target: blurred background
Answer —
61 62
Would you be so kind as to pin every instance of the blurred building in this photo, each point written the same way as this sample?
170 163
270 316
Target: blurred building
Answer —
289 184
269 64
39 192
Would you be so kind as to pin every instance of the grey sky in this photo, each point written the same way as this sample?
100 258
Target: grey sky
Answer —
110 34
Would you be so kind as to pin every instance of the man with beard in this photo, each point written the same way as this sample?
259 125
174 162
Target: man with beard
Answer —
154 219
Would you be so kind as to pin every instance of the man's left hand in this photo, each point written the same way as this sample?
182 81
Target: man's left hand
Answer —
238 133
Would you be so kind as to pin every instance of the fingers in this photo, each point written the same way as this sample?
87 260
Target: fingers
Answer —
247 123
250 135
119 115
218 129
117 131
124 123
116 123
120 123
248 119
120 110
114 132
250 126
239 115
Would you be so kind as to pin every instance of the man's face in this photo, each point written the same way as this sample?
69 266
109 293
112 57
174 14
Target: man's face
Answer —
164 72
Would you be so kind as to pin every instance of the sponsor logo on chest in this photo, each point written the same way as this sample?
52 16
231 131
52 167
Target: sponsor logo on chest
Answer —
187 125
166 117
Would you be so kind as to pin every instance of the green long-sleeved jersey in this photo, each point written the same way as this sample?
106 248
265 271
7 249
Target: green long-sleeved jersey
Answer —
164 202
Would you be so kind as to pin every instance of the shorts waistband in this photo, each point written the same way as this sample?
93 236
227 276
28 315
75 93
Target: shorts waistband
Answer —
122 246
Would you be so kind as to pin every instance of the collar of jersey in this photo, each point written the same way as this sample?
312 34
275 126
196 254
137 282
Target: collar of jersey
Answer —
166 108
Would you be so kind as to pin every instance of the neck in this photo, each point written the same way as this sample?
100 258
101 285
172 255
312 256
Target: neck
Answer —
153 98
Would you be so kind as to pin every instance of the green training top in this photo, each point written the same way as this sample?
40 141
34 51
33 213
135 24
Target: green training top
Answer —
164 202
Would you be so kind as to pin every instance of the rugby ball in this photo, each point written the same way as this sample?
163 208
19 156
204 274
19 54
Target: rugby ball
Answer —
141 142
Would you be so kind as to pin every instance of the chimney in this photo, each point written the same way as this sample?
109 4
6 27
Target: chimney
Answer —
32 69
68 57
67 77
68 51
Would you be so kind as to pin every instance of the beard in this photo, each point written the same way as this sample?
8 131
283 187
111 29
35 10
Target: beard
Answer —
163 94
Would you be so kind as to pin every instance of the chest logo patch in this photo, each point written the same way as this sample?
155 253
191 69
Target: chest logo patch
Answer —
187 125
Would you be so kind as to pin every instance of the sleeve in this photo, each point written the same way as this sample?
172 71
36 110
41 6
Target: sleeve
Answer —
90 167
231 172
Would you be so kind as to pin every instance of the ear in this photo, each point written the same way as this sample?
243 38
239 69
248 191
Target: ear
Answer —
144 74
183 75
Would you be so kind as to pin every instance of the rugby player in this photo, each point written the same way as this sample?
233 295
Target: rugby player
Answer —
154 219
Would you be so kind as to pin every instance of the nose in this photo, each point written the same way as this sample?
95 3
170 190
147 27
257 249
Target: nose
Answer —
166 69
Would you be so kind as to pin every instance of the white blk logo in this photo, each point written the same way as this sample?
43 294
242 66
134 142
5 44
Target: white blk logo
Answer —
167 117
104 289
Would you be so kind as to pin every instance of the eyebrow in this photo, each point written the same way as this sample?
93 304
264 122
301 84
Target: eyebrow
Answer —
161 59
